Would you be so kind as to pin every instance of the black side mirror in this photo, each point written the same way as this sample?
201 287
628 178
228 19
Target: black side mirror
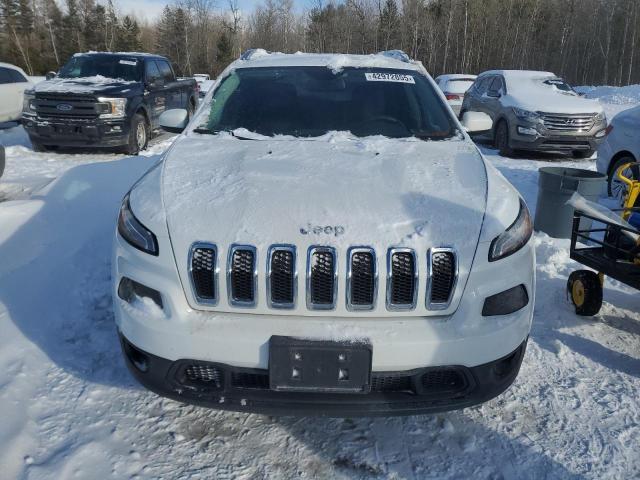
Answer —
50 75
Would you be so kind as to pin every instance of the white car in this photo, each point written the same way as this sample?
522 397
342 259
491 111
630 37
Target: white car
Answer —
621 146
13 83
454 87
301 251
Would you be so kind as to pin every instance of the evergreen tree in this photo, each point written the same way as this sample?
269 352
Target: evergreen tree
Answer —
224 53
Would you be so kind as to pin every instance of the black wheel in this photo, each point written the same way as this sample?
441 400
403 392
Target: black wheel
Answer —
585 290
501 139
583 153
2 161
138 135
615 187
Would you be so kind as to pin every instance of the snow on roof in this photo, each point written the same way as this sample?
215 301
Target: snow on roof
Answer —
456 76
131 54
519 74
334 61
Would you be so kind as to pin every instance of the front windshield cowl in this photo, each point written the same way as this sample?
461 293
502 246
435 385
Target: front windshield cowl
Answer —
309 102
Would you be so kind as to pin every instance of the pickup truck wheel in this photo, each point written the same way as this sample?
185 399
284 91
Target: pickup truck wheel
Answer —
138 135
501 139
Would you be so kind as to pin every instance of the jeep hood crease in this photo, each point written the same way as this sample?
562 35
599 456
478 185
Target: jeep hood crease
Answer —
378 192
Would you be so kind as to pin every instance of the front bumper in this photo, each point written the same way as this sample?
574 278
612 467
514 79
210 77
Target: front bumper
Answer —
75 132
553 141
418 391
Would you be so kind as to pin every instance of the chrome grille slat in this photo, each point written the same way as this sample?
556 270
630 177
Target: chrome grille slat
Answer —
281 276
402 279
568 123
203 272
322 274
322 278
362 278
242 276
442 276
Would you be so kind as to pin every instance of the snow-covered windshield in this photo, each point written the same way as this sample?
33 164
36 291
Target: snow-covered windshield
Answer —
108 66
560 85
311 101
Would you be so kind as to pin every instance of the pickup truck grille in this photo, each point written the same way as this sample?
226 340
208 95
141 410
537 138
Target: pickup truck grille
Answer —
568 123
65 106
322 277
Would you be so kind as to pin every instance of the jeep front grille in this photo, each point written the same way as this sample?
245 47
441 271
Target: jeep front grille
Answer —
361 279
242 276
204 272
322 278
442 275
281 276
402 279
568 123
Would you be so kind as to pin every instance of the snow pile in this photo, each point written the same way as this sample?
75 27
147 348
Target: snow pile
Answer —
614 99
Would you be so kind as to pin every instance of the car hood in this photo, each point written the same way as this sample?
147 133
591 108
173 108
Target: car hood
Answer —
85 85
336 191
549 101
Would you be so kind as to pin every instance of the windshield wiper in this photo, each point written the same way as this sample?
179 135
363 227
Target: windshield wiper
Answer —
438 135
209 131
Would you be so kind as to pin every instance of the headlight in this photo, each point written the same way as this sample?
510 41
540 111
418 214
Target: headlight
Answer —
513 238
601 118
526 114
28 104
136 234
111 107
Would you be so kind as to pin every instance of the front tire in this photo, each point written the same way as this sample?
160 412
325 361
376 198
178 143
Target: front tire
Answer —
501 139
615 188
138 135
585 290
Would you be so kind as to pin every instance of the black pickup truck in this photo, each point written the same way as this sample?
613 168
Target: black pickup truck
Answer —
105 100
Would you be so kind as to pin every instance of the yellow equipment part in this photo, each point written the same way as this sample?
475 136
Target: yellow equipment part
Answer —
632 195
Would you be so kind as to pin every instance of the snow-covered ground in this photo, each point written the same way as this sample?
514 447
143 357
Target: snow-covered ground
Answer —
70 409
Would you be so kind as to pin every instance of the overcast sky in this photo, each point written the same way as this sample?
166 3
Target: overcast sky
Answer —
152 8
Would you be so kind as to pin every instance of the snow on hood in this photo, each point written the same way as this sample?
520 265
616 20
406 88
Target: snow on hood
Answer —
531 93
335 191
80 85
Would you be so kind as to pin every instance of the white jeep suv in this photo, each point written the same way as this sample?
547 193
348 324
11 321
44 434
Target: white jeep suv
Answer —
324 239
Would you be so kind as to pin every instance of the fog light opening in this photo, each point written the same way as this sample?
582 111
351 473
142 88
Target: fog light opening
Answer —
527 131
506 302
129 289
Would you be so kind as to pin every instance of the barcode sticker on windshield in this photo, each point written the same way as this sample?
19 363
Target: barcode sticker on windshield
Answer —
388 77
128 62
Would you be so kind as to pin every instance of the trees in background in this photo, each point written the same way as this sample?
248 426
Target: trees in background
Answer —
586 41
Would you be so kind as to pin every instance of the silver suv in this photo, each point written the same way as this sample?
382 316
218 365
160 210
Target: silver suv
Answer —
536 111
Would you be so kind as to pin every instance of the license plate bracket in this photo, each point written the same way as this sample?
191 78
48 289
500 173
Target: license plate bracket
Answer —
301 365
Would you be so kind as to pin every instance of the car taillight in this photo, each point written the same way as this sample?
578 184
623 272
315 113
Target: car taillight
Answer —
608 129
451 96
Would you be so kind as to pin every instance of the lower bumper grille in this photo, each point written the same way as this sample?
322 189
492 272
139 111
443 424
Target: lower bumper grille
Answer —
435 381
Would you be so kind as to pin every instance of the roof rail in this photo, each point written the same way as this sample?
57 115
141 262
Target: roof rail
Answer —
247 54
397 55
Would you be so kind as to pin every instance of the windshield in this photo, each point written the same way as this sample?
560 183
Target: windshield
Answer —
109 66
311 101
560 85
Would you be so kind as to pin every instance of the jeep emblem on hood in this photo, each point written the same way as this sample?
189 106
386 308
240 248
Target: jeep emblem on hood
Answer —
319 230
